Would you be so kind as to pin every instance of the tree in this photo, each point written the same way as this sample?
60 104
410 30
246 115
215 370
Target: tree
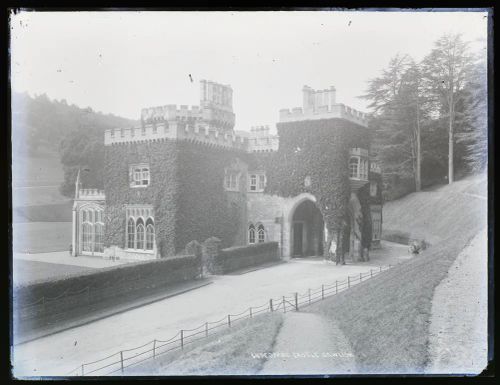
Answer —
475 133
398 100
446 70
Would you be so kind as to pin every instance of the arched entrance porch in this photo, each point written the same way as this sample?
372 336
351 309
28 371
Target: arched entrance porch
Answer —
306 230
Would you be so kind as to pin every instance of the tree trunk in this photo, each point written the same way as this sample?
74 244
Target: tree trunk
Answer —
450 142
418 179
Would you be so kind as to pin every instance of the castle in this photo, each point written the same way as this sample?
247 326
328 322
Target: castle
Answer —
185 174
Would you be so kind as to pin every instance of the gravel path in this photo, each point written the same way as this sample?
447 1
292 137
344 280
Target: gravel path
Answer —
458 328
309 344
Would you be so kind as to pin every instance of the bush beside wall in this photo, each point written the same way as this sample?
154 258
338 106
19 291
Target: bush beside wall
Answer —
235 258
108 282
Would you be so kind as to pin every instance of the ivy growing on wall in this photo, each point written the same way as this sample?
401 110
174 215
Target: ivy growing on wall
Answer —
204 208
319 150
186 191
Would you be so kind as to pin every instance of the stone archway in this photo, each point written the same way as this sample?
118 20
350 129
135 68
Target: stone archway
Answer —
306 229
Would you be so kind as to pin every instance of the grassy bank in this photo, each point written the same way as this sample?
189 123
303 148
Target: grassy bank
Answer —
386 319
228 352
438 214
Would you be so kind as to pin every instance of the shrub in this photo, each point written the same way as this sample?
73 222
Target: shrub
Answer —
115 280
234 258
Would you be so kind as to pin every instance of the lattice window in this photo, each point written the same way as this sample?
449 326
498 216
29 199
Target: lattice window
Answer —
139 175
354 167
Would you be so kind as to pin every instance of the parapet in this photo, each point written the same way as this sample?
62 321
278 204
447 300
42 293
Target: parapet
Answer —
170 112
194 131
91 194
324 112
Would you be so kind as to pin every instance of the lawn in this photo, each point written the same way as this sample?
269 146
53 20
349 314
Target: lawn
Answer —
28 271
41 237
231 351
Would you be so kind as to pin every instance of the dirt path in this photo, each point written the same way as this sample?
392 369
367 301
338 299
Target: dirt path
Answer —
309 344
458 328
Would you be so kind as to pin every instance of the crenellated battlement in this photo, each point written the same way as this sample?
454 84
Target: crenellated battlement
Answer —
170 112
174 130
324 112
92 194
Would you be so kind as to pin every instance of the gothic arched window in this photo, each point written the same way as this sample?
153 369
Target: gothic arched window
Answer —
261 234
150 234
99 237
131 234
251 234
140 234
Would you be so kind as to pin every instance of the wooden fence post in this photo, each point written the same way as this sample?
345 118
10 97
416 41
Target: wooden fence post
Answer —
322 291
154 348
296 302
371 273
271 304
360 277
348 282
121 360
206 329
229 320
336 287
250 310
380 268
83 373
182 339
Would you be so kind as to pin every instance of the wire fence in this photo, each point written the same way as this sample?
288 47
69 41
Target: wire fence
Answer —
118 362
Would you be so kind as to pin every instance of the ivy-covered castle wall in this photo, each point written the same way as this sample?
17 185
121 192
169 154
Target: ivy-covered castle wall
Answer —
205 209
186 191
319 150
162 193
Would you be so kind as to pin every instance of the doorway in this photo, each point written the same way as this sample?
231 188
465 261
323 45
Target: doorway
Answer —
307 230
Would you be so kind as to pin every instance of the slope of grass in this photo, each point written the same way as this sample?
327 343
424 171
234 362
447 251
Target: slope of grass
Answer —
41 237
438 214
58 212
231 351
386 319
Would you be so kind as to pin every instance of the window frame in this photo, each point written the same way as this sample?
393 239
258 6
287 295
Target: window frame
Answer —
139 175
357 166
257 181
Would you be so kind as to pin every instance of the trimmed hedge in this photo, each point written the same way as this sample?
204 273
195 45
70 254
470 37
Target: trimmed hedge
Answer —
235 258
109 282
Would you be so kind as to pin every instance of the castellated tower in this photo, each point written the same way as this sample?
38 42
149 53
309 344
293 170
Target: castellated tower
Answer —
169 172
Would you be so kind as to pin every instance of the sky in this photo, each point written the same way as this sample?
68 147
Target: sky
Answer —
120 62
